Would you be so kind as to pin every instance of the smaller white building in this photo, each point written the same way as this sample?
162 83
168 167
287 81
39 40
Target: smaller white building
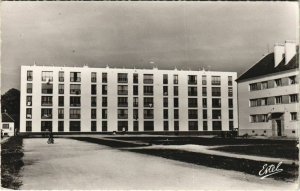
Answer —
7 125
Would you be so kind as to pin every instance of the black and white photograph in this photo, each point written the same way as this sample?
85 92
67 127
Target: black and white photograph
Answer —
148 95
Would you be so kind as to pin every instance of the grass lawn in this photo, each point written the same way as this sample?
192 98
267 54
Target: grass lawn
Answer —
11 162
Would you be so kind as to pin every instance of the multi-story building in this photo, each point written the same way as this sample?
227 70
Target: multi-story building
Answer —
83 99
268 94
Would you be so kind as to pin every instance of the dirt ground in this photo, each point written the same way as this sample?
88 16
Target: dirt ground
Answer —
71 164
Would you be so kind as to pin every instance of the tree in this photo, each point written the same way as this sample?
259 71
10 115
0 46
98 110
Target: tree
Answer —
10 102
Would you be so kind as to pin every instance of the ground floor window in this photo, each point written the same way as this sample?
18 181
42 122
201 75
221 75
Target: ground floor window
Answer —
122 125
176 125
93 126
293 116
46 126
204 125
148 126
75 126
166 125
60 126
193 125
231 126
104 125
28 126
217 125
135 126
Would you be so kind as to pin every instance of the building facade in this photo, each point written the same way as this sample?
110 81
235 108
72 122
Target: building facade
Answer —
83 99
268 94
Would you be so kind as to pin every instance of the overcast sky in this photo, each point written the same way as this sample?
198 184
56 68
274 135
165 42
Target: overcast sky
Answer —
225 36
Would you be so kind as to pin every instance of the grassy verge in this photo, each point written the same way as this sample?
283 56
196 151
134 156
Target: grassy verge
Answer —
11 162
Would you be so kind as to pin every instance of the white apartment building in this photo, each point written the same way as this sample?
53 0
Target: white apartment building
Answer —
268 94
83 99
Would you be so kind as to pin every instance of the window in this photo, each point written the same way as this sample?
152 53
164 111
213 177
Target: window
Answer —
74 113
165 90
93 125
104 113
28 126
148 90
75 101
258 118
148 78
175 79
122 90
136 114
61 77
122 113
93 101
216 91
29 100
122 101
60 126
204 102
192 79
230 93
278 99
176 102
292 80
176 114
204 80
204 114
47 76
230 114
93 89
264 85
278 82
46 100
176 125
231 125
230 103
135 78
229 80
216 125
148 126
193 125
61 113
29 75
104 89
135 102
192 91
166 125
46 125
93 77
29 88
61 89
104 101
122 78
135 90
175 90
263 101
28 113
75 77
216 114
204 91
61 101
75 126
193 114
165 103
46 113
47 88
253 102
216 103
192 102
294 98
253 87
165 79
204 125
294 116
166 114
148 102
104 125
104 77
75 89
215 80
93 113
148 114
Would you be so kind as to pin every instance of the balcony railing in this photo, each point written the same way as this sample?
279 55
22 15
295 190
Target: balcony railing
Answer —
192 82
74 116
148 81
148 116
47 116
75 104
121 104
75 91
123 116
122 92
60 116
46 103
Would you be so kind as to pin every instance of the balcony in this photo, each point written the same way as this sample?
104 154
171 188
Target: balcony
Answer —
122 92
148 81
46 103
193 116
47 116
74 116
75 91
61 116
47 91
122 104
75 79
122 116
148 116
192 82
75 104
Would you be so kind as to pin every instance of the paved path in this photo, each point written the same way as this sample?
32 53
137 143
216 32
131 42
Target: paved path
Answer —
71 164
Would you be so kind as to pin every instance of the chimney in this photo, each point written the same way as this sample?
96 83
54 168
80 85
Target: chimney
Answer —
290 50
278 53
